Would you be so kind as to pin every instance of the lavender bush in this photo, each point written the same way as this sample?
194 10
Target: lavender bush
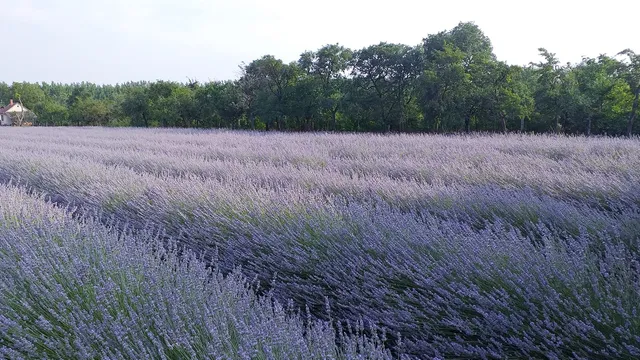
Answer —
75 290
477 246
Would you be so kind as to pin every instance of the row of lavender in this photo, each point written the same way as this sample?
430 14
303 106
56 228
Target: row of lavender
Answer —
575 166
75 289
405 173
475 246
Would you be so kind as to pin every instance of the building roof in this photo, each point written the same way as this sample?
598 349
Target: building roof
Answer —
4 109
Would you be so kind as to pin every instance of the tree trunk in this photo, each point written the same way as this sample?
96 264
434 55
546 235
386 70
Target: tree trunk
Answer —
335 121
467 122
634 112
588 125
522 124
503 118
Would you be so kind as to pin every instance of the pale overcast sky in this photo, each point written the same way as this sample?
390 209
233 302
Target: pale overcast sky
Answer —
121 40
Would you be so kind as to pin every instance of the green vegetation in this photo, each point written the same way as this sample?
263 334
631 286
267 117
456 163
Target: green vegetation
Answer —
451 82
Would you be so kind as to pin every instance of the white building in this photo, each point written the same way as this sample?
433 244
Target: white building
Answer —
7 113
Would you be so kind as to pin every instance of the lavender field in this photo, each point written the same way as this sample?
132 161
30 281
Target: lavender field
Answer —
132 243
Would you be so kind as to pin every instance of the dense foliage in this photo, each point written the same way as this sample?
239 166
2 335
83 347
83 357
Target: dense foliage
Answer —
502 246
451 82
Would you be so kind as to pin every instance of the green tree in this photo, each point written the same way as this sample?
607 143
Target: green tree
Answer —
161 108
136 106
632 76
304 100
550 76
219 104
508 97
267 80
30 95
87 111
52 113
230 105
5 94
327 68
388 74
460 69
596 80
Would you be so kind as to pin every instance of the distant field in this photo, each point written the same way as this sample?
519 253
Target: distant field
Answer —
501 246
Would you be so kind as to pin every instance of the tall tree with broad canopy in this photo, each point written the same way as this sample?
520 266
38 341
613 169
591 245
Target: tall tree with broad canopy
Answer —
459 69
388 73
328 69
632 76
550 76
271 78
597 79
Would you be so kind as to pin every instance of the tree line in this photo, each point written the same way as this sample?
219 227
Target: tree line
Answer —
451 82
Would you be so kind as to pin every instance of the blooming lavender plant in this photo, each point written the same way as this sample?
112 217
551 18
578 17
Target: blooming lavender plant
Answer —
75 290
474 246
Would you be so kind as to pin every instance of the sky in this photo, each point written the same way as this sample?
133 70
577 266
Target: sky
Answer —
116 41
